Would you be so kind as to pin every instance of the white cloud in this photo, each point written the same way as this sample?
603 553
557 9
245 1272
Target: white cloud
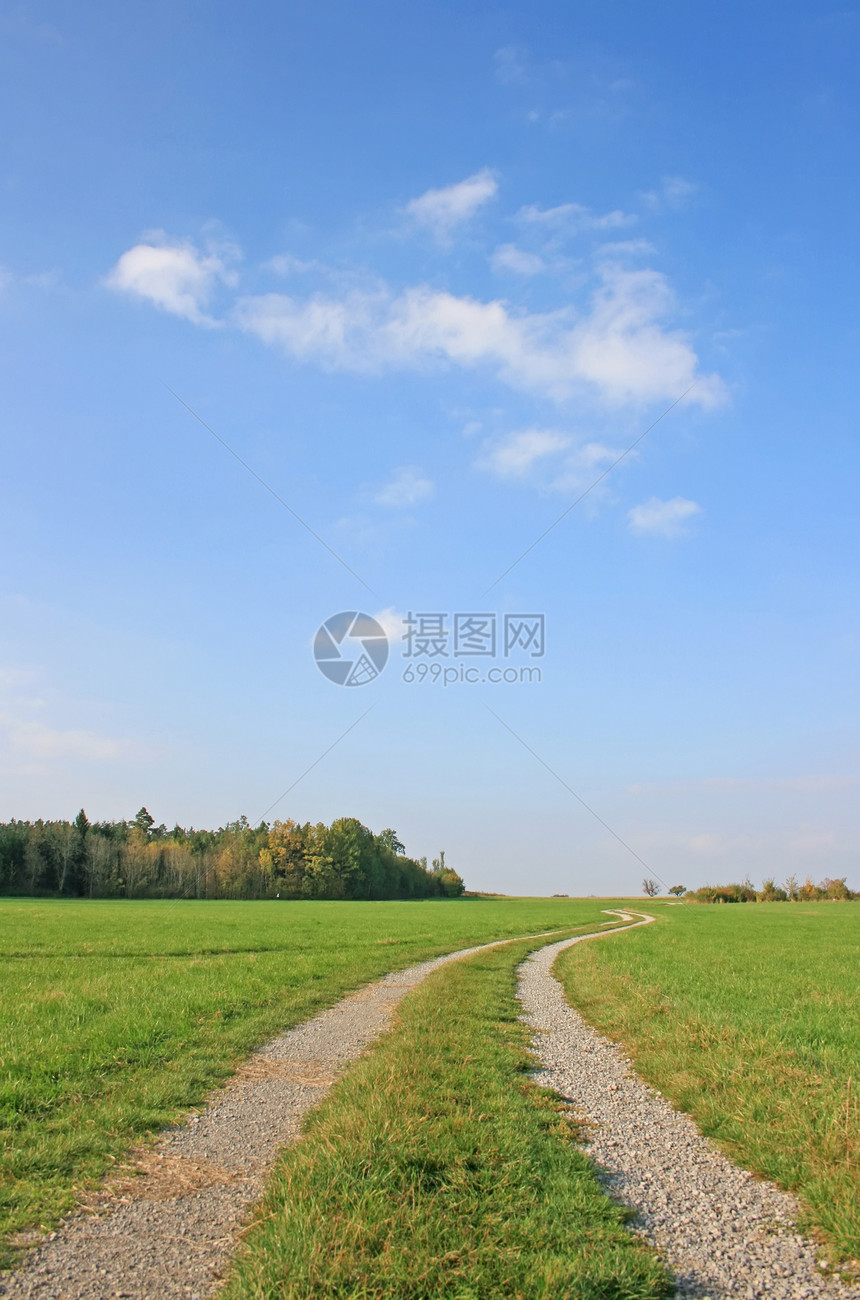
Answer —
392 623
573 217
38 740
43 279
510 68
338 332
507 257
677 190
517 454
580 467
406 487
656 518
624 350
10 678
547 458
176 277
672 193
618 348
24 736
443 209
287 264
626 248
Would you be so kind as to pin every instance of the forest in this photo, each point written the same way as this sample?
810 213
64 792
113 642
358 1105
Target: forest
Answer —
287 860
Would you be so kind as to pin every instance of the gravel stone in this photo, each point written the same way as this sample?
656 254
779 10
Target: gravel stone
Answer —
722 1232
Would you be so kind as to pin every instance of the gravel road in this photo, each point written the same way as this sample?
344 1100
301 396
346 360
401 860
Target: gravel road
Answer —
167 1226
723 1233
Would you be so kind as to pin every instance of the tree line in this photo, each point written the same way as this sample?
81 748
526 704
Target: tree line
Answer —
791 891
137 859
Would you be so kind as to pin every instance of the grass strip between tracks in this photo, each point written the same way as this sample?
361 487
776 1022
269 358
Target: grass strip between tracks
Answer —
437 1168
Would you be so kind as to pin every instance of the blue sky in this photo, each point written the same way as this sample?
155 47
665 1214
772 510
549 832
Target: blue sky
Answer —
429 271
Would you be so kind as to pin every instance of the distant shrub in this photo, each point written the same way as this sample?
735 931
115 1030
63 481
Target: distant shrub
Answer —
836 889
770 892
726 894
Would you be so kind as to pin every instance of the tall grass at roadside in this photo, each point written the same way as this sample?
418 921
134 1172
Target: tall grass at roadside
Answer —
117 1017
435 1168
748 1018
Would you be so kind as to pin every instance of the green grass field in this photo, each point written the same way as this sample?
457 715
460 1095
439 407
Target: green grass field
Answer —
119 1016
748 1018
435 1169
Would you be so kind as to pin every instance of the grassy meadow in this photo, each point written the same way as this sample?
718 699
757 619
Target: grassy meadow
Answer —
435 1168
748 1018
118 1016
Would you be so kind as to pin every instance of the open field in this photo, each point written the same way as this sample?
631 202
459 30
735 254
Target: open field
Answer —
119 1016
748 1018
436 1168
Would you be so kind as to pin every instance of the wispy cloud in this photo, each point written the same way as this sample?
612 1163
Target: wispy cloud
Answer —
510 66
392 623
547 459
174 276
612 341
507 257
672 193
442 210
656 518
573 218
406 487
626 248
517 454
37 740
582 465
287 264
618 348
25 736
